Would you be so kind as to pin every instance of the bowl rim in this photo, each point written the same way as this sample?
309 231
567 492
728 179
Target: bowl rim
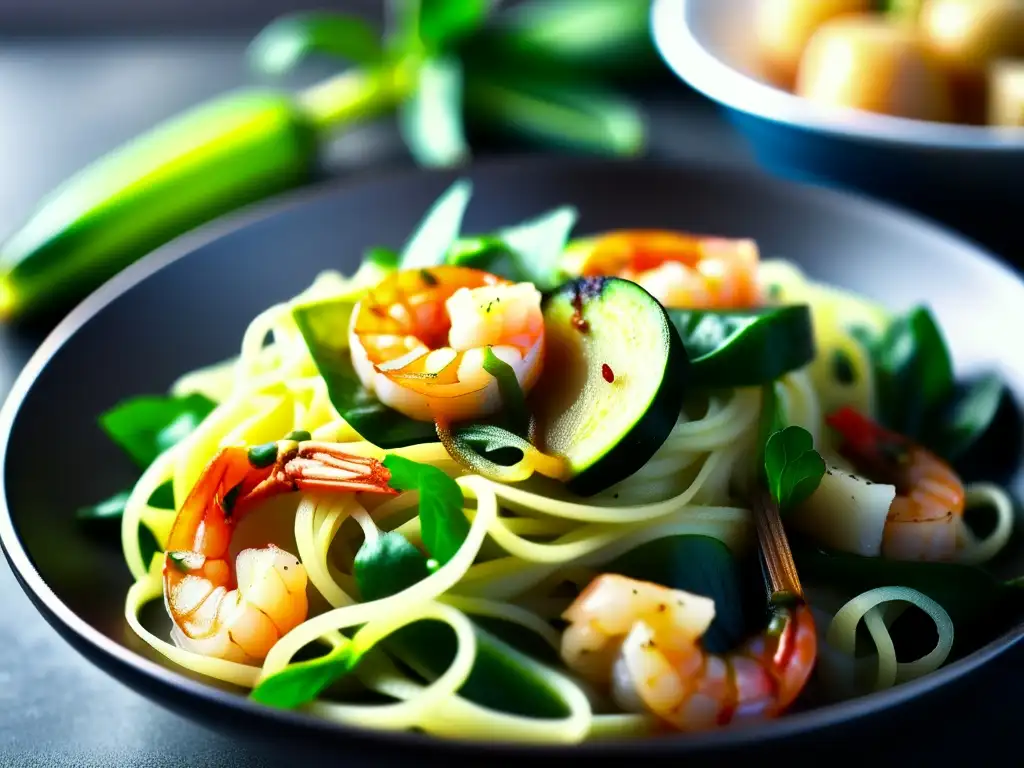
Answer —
686 55
138 671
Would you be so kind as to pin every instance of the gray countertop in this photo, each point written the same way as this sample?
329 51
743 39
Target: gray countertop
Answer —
65 104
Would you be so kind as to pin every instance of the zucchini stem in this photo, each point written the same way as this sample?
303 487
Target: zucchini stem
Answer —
781 579
354 96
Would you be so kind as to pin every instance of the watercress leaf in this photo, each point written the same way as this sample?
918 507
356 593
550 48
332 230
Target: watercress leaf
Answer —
387 565
792 467
443 524
324 327
429 244
699 564
147 425
303 681
741 347
287 41
512 400
443 22
801 477
538 245
431 119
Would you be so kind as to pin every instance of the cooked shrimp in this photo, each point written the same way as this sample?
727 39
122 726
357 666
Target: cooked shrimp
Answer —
924 518
643 640
418 340
239 616
680 270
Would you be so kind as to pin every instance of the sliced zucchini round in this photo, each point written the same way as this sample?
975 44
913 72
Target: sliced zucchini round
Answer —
614 378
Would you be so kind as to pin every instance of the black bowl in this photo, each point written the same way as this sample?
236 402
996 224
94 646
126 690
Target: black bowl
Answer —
188 305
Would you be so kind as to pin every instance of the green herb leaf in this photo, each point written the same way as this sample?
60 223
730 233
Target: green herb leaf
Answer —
966 417
443 524
431 119
913 371
387 566
745 348
287 41
148 425
442 22
699 564
385 258
574 115
793 468
111 508
104 519
607 38
538 244
487 448
512 400
429 244
324 327
502 678
303 681
771 420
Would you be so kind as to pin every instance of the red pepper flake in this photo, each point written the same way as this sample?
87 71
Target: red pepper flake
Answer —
607 372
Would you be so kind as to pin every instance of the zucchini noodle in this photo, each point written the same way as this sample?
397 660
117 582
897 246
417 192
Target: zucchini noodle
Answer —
524 540
874 608
974 551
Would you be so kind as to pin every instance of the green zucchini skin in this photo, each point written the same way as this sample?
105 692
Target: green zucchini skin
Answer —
597 323
219 156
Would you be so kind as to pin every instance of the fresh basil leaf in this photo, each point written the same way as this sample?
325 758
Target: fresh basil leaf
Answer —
913 372
388 565
301 682
429 244
287 41
443 523
148 425
512 400
699 564
538 244
572 114
792 466
968 594
431 119
744 348
324 327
